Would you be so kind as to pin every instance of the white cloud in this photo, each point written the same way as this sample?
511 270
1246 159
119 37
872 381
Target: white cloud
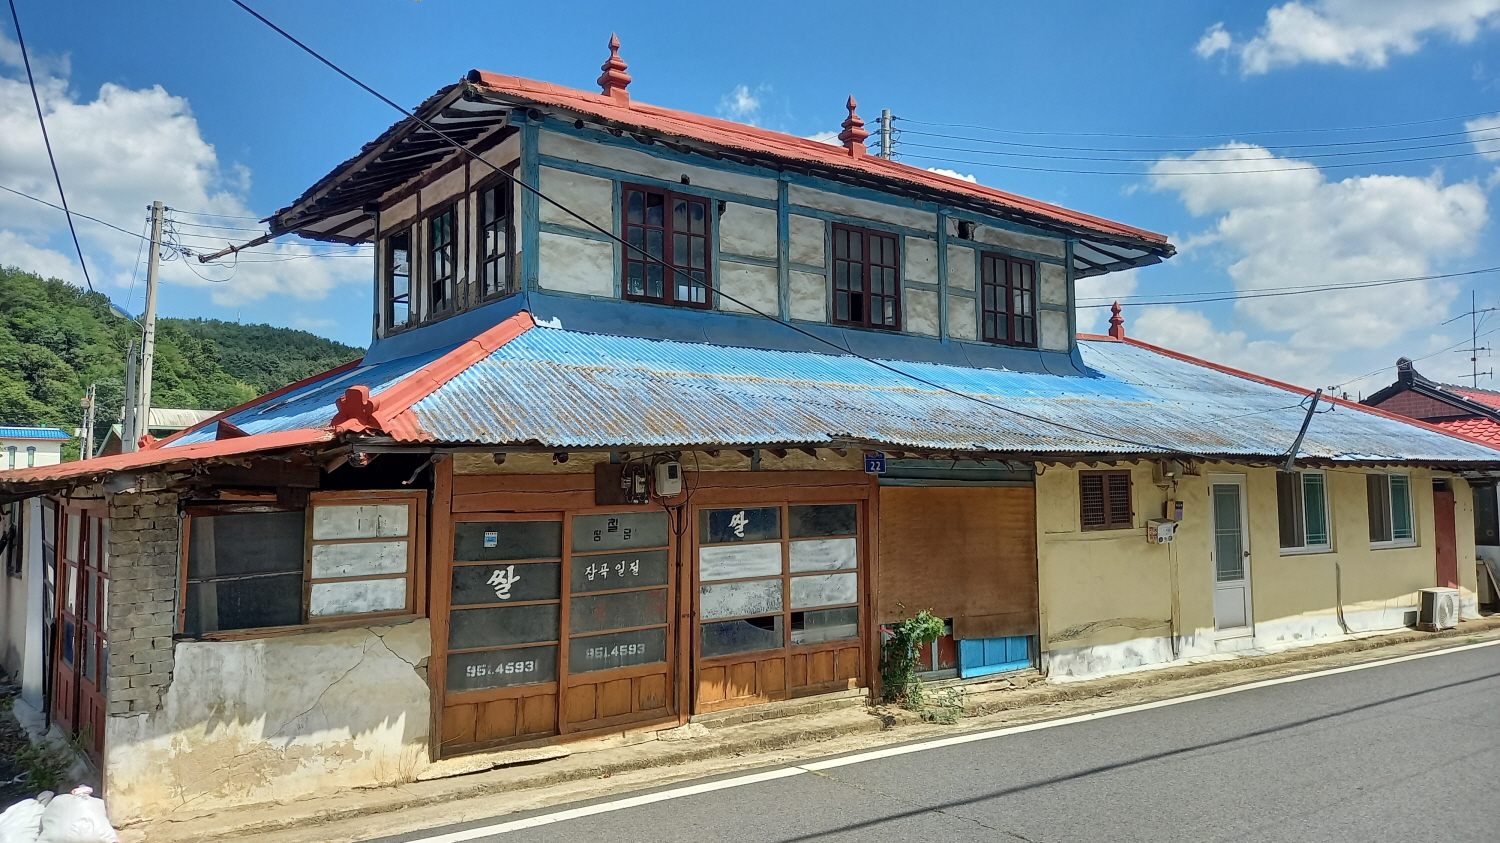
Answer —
954 174
1095 289
1351 33
1213 42
117 152
1287 225
830 138
743 103
1484 133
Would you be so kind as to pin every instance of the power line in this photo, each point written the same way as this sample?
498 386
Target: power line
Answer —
72 213
988 141
1195 137
219 216
678 272
47 141
1279 291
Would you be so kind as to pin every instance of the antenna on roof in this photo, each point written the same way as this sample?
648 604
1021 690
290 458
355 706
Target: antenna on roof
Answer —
1474 346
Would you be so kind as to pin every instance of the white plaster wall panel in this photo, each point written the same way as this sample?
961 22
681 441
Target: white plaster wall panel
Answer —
590 196
823 555
275 719
921 260
445 189
738 599
734 561
960 268
921 312
810 592
808 240
1054 330
398 215
963 318
1053 279
360 521
501 154
809 295
358 559
809 197
576 265
357 597
747 230
756 286
1021 242
632 161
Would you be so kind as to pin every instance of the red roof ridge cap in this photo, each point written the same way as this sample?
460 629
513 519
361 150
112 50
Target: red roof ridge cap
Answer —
397 399
1251 376
274 394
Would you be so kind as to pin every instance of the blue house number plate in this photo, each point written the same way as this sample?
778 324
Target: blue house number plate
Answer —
874 462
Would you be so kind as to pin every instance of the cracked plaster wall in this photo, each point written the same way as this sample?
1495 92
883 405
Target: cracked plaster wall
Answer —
275 719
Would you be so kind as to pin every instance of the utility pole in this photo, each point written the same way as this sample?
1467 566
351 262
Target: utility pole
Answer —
148 332
127 412
87 449
1474 346
887 132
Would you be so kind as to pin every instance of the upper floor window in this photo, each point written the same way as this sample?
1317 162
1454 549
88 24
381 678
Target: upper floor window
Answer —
31 456
673 229
866 278
442 260
1302 505
494 240
1008 292
1389 497
1104 500
398 279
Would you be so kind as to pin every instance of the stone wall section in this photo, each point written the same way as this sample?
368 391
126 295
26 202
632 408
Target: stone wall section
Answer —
144 559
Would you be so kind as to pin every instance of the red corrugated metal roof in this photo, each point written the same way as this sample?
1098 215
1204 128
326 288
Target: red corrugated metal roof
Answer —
159 456
726 133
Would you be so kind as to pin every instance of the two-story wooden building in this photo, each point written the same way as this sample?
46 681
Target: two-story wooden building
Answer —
664 415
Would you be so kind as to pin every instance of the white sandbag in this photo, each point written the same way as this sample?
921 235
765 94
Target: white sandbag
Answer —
77 817
22 822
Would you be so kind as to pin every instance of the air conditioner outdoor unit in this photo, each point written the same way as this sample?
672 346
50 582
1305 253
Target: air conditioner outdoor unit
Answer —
1439 609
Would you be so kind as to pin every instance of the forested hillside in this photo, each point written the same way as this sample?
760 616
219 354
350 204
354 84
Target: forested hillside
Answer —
56 339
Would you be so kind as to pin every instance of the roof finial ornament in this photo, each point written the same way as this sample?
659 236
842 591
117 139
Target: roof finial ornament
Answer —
854 134
614 78
1116 322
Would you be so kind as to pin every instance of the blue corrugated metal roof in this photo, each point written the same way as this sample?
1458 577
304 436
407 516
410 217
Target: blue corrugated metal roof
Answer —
33 433
567 389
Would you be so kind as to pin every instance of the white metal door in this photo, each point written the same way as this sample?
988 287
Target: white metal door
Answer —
1230 555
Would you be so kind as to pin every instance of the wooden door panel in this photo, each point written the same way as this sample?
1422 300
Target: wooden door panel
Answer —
612 701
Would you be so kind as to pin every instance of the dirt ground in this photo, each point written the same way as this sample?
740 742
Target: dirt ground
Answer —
15 749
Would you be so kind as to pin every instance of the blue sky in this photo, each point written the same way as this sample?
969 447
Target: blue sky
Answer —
198 104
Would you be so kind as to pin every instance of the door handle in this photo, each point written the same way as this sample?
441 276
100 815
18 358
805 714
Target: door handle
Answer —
1247 554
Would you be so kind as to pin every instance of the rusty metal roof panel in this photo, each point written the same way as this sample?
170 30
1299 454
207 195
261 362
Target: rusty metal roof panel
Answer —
566 389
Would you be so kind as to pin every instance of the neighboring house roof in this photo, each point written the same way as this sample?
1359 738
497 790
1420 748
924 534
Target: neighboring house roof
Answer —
33 433
1482 430
1462 411
1483 396
168 418
523 385
334 207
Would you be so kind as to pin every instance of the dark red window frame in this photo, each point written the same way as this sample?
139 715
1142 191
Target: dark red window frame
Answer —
1104 500
677 228
866 278
1007 299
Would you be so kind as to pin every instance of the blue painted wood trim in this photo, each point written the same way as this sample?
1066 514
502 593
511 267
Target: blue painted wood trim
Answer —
616 225
783 250
531 209
942 269
963 294
1017 253
596 171
750 259
808 268
570 231
603 138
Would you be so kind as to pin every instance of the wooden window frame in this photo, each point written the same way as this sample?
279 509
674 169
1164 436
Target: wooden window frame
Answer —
1107 500
501 187
416 569
671 276
998 298
864 263
388 280
430 279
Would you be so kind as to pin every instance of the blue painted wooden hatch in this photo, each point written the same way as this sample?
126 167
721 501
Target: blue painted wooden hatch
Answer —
983 656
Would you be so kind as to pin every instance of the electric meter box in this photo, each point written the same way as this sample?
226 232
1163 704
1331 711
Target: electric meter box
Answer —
1160 531
668 479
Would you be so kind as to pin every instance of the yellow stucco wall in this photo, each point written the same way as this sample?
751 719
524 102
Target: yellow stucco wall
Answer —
1108 602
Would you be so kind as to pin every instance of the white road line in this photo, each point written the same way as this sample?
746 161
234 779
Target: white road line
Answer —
939 743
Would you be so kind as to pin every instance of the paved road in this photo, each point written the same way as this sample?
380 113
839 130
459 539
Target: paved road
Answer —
1403 752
